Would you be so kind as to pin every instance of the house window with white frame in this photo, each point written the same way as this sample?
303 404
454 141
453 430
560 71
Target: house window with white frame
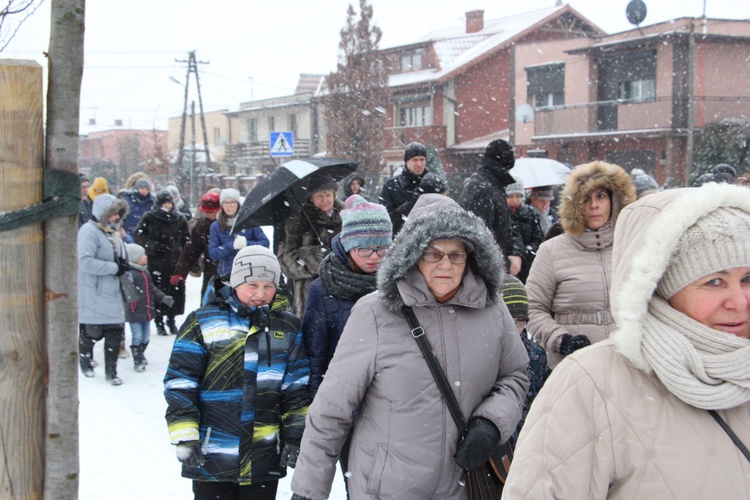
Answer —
252 130
414 115
411 61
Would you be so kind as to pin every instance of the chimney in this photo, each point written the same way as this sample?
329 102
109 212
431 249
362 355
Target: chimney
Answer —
474 21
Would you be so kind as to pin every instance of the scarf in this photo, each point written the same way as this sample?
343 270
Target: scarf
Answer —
703 367
342 282
544 221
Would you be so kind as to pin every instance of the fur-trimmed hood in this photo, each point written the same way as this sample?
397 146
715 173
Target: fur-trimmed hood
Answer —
105 206
581 181
648 232
436 217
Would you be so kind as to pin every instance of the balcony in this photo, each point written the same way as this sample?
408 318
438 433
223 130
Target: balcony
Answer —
261 150
661 114
396 138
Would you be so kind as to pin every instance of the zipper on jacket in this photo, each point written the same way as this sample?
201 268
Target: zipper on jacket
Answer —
268 347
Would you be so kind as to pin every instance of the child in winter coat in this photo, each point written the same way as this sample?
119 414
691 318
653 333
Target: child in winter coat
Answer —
236 385
514 296
140 312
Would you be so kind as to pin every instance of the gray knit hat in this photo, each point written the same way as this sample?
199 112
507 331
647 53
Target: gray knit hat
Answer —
229 194
255 263
135 252
515 188
718 241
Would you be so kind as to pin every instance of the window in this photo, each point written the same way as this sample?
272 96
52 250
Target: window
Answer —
415 115
546 85
252 130
636 90
217 135
629 77
411 62
293 123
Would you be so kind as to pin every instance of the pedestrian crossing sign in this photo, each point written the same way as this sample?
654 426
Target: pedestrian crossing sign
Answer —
282 143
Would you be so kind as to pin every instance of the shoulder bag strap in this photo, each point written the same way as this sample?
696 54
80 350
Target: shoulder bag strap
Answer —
450 399
736 440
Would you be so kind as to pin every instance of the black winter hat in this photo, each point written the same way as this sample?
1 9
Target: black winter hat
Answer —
433 183
724 168
163 196
414 149
501 151
321 182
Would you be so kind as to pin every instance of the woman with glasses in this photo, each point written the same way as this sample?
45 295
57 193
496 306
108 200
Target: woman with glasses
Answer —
446 266
346 274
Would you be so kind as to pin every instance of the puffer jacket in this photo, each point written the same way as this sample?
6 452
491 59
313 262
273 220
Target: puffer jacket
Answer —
240 372
221 244
141 310
330 299
604 425
404 437
138 206
305 247
568 284
99 297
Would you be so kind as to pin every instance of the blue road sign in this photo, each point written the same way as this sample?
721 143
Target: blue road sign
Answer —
282 143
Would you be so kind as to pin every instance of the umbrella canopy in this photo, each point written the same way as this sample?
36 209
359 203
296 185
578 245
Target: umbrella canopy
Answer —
535 172
275 199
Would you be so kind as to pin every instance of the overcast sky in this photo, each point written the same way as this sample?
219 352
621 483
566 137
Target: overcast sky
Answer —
256 49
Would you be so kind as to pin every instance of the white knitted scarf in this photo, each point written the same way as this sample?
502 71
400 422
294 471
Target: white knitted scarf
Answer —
703 367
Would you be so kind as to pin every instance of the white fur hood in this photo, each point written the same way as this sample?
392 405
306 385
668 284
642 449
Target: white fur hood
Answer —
647 234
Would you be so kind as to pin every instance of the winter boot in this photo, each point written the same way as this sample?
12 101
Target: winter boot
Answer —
137 358
143 356
159 322
123 354
85 354
111 352
172 326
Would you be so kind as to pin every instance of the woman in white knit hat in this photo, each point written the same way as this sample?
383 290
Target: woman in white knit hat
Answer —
650 413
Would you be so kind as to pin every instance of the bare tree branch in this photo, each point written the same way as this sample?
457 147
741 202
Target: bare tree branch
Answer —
12 16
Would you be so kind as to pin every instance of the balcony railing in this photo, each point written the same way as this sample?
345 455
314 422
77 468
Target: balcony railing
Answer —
261 149
399 137
619 116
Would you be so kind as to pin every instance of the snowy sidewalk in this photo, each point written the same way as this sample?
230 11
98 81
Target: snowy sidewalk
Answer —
124 447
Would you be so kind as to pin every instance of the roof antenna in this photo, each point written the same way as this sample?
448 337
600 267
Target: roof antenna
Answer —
636 12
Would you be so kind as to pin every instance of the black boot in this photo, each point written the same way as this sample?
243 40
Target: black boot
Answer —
137 351
85 354
159 322
143 349
172 326
111 351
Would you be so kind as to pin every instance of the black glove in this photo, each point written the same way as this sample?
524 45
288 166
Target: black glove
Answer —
299 497
476 448
122 266
168 301
289 455
571 343
190 454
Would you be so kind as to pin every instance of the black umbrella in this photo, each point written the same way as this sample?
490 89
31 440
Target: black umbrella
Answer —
275 199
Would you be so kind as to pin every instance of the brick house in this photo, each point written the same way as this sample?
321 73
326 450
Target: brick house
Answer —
635 98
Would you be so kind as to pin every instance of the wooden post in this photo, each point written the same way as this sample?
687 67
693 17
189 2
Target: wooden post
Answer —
22 345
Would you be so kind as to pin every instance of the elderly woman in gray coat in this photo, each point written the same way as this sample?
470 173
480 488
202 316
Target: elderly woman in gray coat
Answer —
446 265
102 258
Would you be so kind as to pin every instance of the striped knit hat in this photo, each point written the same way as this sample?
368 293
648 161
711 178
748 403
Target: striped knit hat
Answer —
365 224
514 296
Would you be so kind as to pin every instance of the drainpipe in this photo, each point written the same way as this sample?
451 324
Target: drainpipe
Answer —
690 104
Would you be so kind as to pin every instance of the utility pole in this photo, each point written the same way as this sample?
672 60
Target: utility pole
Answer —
192 68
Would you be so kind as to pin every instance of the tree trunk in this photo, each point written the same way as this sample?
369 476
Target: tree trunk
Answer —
61 264
22 366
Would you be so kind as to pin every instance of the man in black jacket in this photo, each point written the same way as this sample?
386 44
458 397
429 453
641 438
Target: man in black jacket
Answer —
402 188
484 196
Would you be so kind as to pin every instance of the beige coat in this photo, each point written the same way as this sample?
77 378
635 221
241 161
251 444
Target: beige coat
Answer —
568 289
600 428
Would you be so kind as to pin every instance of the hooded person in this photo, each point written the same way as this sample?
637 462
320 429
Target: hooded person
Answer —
643 183
568 285
446 266
618 419
484 196
236 384
179 203
102 259
308 236
352 184
400 188
140 201
163 233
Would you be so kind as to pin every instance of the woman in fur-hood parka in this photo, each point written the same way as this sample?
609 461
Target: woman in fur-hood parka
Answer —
629 417
568 285
405 442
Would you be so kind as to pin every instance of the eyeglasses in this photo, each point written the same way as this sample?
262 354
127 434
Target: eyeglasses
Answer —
436 256
365 252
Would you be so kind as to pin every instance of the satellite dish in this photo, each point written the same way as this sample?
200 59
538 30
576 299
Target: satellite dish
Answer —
524 113
636 12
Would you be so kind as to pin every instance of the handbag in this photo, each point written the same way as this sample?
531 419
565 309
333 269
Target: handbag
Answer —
487 480
129 290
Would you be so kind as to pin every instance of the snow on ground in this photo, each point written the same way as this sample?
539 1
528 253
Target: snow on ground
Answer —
124 445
